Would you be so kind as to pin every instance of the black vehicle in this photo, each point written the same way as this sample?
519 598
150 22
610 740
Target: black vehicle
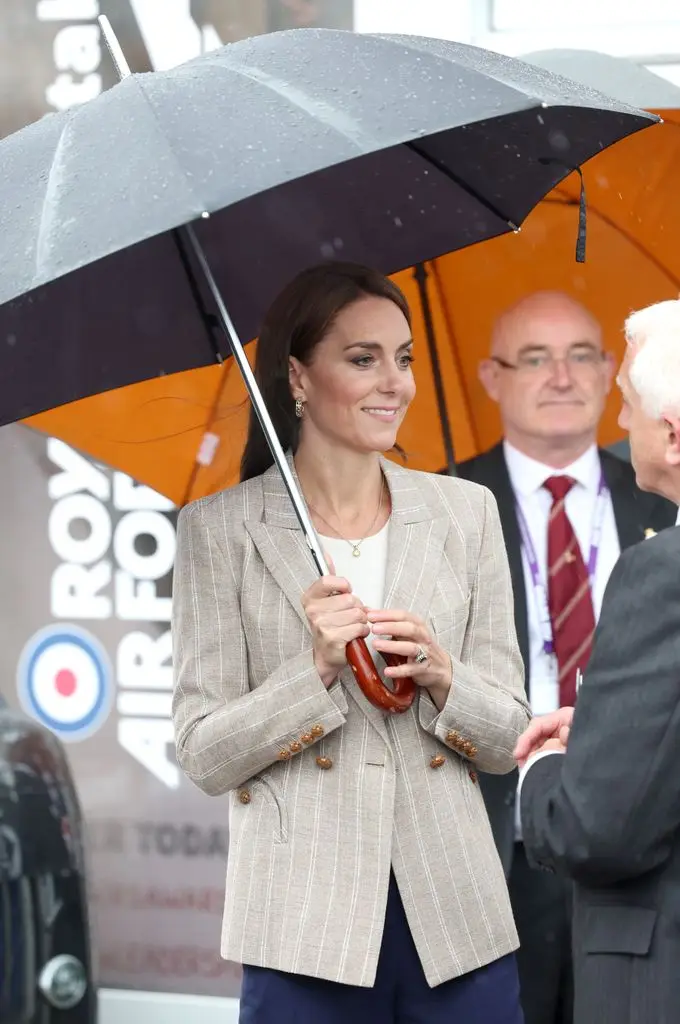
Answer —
45 957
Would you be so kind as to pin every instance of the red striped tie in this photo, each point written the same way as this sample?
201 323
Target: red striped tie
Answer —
569 598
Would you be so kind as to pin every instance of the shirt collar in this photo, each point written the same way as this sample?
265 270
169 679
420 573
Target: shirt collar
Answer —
527 475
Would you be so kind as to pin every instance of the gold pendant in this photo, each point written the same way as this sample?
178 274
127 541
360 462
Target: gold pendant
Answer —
356 552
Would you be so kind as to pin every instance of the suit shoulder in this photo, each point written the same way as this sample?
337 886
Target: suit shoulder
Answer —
481 466
622 466
654 510
243 499
644 587
650 559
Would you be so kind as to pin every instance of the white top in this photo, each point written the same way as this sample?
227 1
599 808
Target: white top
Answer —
366 573
527 477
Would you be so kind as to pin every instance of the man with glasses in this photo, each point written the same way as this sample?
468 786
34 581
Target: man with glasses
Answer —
568 509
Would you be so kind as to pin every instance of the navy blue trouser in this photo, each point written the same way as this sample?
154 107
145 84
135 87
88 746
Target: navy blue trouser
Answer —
401 995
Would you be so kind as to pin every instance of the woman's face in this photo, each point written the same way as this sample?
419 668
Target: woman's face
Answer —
359 383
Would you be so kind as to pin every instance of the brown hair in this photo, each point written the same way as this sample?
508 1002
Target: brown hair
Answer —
297 320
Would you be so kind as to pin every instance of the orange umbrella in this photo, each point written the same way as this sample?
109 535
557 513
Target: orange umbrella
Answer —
183 435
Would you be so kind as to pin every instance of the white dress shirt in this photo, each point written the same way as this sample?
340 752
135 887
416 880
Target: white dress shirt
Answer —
527 477
546 753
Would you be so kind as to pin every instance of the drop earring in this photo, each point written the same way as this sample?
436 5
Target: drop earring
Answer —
299 408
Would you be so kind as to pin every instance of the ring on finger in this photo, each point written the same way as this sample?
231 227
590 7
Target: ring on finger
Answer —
421 655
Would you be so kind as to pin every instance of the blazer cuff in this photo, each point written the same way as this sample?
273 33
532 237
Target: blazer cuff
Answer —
287 713
306 694
530 763
532 807
480 721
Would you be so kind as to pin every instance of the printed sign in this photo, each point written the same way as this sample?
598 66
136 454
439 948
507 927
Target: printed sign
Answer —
87 559
64 681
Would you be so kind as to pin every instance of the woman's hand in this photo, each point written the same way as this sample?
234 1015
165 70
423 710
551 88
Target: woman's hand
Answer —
335 617
407 635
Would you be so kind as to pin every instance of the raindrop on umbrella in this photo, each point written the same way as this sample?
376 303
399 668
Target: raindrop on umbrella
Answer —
559 141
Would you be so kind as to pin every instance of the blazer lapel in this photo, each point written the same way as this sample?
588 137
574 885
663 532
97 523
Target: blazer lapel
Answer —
416 544
286 556
496 477
280 541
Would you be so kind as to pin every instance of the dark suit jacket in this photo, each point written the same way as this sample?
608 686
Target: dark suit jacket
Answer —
607 814
634 512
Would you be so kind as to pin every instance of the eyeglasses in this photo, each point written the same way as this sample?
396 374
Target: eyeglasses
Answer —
542 362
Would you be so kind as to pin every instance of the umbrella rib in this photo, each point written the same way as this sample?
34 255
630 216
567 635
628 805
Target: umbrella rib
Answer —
455 350
319 110
420 274
211 420
448 173
208 320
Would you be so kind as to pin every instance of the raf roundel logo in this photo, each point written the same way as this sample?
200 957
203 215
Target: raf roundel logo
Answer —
64 681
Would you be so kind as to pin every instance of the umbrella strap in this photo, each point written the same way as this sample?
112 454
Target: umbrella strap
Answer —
421 275
581 234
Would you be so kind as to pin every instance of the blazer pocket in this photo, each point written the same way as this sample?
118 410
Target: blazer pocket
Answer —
269 791
448 623
618 929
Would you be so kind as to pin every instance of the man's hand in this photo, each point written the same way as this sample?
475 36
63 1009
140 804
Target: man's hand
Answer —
545 732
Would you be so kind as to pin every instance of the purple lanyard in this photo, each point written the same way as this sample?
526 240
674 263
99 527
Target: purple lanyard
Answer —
539 588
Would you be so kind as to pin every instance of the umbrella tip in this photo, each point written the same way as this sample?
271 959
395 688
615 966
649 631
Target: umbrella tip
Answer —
113 46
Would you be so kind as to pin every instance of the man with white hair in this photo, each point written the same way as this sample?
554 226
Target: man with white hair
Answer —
568 509
600 786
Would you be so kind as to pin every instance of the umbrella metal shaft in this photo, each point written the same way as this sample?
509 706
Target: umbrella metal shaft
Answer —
116 51
123 69
259 405
401 697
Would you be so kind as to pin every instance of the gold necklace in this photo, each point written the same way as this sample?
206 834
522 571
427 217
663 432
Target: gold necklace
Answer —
355 547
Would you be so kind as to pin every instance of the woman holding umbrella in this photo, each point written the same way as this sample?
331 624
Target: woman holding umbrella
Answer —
362 879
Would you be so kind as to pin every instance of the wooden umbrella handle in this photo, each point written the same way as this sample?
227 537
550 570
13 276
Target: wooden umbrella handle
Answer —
367 676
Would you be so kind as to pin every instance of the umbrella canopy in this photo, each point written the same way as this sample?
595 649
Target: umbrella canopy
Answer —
633 228
285 164
633 255
615 76
182 435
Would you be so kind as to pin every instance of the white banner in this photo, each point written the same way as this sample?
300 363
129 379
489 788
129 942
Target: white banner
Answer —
87 556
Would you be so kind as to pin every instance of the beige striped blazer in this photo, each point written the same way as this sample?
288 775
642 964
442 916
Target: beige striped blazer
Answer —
325 792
